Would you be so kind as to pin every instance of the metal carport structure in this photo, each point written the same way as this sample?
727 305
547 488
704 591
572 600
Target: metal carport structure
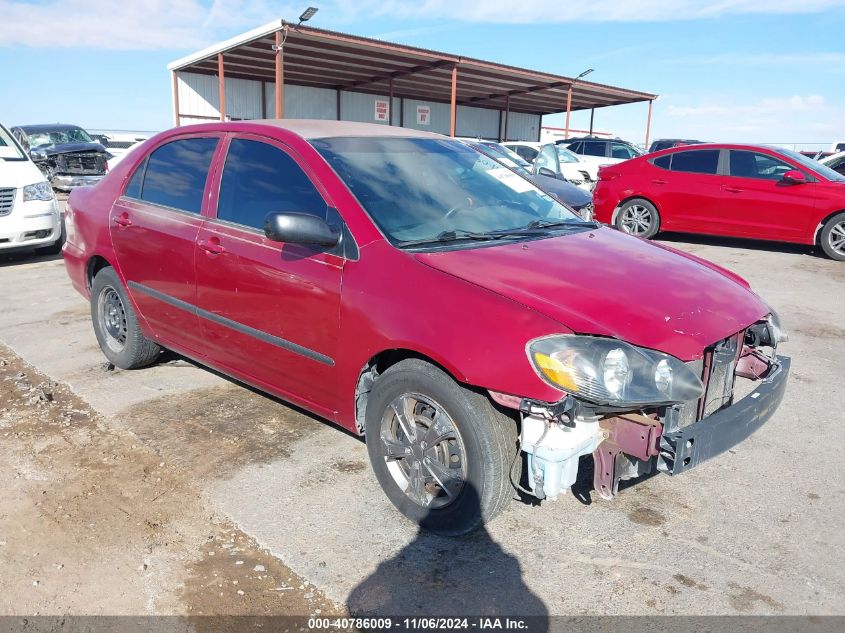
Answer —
257 72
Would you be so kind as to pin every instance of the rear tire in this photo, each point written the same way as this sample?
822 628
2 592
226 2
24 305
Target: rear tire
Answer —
116 325
440 451
638 217
832 237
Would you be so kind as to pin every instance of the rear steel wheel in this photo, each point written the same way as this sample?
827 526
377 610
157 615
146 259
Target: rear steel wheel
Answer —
112 316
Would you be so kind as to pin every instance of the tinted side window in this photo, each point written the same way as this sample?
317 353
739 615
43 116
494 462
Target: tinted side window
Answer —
699 162
594 148
176 173
133 189
259 179
753 165
528 153
620 150
575 147
663 161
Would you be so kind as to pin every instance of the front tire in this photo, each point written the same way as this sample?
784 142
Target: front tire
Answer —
116 325
439 451
638 217
832 237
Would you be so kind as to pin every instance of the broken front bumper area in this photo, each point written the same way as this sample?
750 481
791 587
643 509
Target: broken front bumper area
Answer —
685 448
634 444
66 182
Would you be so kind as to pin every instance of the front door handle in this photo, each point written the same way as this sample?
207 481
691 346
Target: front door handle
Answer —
732 190
212 246
123 220
659 182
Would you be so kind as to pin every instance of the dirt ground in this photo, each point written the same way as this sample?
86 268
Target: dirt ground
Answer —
92 520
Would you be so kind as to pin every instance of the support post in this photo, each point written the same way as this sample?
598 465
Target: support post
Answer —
175 99
453 111
592 114
568 110
507 115
221 86
280 77
648 123
263 99
337 107
501 112
390 103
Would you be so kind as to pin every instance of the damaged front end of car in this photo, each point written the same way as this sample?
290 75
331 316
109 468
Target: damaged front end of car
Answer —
67 166
640 411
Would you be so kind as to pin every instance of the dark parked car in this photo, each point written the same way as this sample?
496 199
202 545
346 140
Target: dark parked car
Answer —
462 320
66 154
666 143
753 191
580 200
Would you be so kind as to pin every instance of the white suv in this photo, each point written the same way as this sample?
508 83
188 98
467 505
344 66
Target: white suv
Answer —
29 212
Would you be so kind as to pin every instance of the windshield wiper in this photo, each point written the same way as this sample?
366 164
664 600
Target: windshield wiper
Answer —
547 224
463 235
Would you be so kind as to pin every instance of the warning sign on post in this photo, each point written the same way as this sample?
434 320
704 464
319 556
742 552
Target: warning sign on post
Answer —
423 115
382 110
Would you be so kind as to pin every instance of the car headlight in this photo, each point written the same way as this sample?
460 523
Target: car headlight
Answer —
611 372
38 191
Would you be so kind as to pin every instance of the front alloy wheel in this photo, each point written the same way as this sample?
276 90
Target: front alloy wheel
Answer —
423 450
440 451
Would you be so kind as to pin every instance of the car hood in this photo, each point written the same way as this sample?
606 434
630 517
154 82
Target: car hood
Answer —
19 173
605 283
565 191
64 148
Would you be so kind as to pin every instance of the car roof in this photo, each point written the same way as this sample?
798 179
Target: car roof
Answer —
311 129
49 127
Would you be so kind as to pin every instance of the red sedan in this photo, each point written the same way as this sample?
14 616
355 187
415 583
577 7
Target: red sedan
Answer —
412 290
750 191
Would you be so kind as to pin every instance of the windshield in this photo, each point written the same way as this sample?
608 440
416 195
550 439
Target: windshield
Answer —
424 189
814 165
71 135
566 156
9 149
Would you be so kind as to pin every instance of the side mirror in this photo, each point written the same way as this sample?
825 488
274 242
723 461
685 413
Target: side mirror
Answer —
545 171
300 228
794 177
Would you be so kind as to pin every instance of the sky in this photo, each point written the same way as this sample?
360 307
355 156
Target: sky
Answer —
766 71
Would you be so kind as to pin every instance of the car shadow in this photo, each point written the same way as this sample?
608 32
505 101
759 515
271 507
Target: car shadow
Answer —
739 242
435 576
26 257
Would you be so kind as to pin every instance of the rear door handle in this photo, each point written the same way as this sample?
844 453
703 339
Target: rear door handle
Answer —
123 220
732 189
659 182
213 246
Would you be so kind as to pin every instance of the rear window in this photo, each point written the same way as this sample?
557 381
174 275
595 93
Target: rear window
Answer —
176 173
698 162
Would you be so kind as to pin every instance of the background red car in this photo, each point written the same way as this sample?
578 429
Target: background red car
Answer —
748 191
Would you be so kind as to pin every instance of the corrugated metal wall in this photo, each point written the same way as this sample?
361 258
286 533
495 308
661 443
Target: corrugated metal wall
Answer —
199 99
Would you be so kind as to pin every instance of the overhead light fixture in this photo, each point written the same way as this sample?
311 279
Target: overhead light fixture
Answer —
584 74
307 14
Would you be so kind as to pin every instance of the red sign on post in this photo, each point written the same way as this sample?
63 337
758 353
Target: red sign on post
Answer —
382 110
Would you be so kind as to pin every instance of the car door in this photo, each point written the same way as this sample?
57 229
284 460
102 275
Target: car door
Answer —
686 187
153 228
269 311
547 162
758 203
